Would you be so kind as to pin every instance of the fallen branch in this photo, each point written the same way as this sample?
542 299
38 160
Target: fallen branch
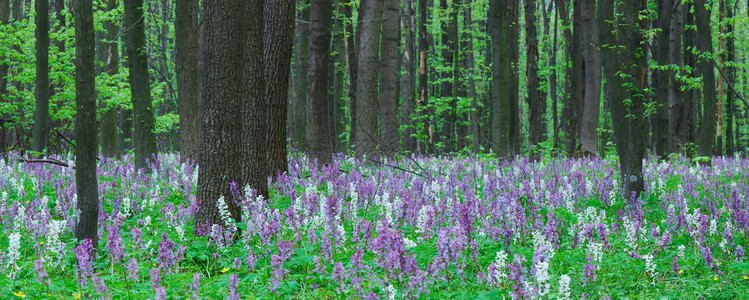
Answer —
48 161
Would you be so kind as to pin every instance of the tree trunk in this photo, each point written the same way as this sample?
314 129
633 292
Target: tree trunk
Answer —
254 107
108 55
220 140
627 118
592 79
535 96
140 89
4 18
351 62
450 66
186 45
575 83
85 124
367 106
301 48
730 71
408 79
705 45
319 145
553 83
675 103
41 114
513 8
338 73
476 112
278 42
662 79
423 93
388 74
502 131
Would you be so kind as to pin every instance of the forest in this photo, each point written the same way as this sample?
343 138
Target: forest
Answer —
377 149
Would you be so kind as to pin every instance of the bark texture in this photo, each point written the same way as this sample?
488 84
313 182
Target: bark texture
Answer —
301 48
423 93
108 56
706 139
319 146
367 92
388 74
663 79
85 124
591 79
254 105
186 46
408 82
4 18
278 42
535 95
41 114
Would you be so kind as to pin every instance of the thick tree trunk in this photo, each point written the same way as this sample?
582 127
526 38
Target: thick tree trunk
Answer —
301 48
278 42
423 92
535 96
186 45
108 55
367 105
408 79
627 118
140 89
254 107
448 91
575 83
502 78
705 45
388 74
513 8
319 145
220 139
41 114
592 79
85 124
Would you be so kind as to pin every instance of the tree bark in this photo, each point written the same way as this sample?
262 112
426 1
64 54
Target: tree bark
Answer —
367 105
502 131
186 46
85 124
278 42
140 89
301 48
731 76
626 93
254 107
513 8
41 114
408 80
423 93
4 18
662 79
448 91
476 112
351 62
108 55
676 123
591 79
338 73
319 145
388 74
220 140
705 45
535 95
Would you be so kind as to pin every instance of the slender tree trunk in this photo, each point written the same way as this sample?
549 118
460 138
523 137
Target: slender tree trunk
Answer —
575 84
108 55
662 79
592 79
675 103
319 145
513 8
731 73
4 18
85 124
535 96
367 94
689 115
705 45
449 53
338 72
553 84
301 48
278 42
627 118
408 79
388 74
140 89
351 61
220 139
423 93
41 115
186 45
476 112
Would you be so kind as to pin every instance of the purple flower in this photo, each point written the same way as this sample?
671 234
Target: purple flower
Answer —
517 276
166 254
675 265
132 269
155 278
83 255
589 271
160 293
101 288
41 272
233 283
739 253
195 285
250 261
114 240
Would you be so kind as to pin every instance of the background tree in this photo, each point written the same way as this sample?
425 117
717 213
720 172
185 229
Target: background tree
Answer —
367 106
278 42
423 93
501 78
388 75
319 146
108 56
662 78
705 46
591 79
186 46
4 18
298 112
535 95
408 79
41 115
254 105
85 124
140 89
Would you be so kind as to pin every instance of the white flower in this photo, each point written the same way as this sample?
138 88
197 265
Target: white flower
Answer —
408 244
649 265
391 292
564 287
713 227
542 277
126 205
14 245
681 250
223 210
